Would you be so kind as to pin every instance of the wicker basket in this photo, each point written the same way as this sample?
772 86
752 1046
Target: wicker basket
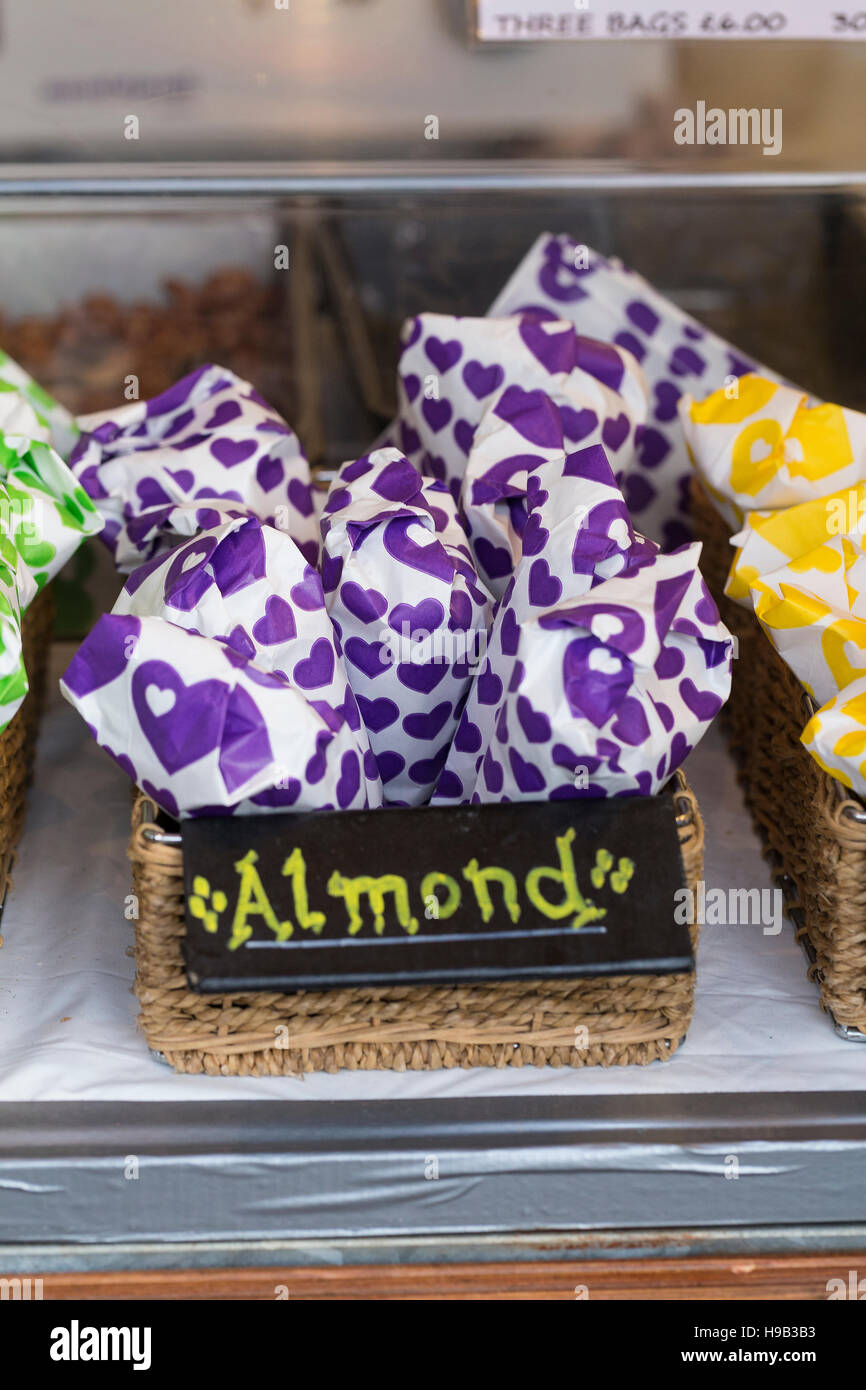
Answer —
607 1021
813 830
18 741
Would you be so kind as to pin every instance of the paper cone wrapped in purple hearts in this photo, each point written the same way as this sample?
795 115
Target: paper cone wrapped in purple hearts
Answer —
606 660
217 682
403 593
451 369
211 441
506 473
564 279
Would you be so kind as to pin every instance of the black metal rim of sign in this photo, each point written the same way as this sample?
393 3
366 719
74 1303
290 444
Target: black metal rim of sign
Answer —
162 829
634 935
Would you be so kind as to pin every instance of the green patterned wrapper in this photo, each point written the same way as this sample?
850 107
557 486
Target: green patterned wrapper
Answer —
17 588
44 517
51 415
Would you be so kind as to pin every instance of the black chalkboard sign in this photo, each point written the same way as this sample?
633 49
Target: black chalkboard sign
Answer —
445 895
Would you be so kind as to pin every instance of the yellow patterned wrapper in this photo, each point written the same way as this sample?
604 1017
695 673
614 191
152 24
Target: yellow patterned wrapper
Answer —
791 475
803 570
836 736
758 445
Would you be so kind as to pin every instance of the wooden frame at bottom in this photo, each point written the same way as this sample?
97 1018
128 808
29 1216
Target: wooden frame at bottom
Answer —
710 1278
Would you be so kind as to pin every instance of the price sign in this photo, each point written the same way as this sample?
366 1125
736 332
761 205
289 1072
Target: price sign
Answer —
329 899
519 21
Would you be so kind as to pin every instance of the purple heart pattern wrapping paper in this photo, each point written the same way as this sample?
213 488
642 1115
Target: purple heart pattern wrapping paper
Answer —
451 369
606 660
204 730
606 300
211 440
403 593
244 582
509 464
249 586
235 678
468 616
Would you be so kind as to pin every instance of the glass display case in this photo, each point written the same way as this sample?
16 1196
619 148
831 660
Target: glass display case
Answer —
277 189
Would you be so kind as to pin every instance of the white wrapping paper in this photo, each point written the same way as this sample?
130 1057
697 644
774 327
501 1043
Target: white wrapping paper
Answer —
606 661
451 369
503 472
607 300
217 682
758 445
403 593
211 440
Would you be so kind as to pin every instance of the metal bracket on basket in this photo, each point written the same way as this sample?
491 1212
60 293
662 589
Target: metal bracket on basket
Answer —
852 809
684 809
152 832
5 880
798 918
